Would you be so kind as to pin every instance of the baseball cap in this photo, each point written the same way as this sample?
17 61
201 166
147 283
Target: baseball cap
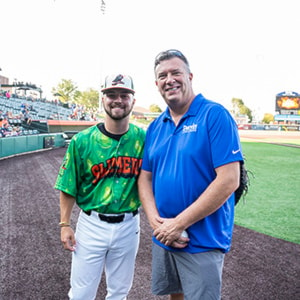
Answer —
118 81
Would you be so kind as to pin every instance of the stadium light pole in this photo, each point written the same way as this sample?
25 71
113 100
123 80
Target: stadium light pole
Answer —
0 79
102 26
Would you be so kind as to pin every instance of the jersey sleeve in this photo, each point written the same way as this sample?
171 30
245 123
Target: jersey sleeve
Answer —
224 138
68 178
146 162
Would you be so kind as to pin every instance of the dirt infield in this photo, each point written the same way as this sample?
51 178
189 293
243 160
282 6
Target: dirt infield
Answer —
269 136
34 265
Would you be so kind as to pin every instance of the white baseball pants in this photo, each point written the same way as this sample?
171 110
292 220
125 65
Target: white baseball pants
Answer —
101 245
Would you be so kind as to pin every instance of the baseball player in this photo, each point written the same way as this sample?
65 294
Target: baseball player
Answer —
99 173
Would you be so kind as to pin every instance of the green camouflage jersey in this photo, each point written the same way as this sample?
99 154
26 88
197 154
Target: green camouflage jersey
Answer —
101 172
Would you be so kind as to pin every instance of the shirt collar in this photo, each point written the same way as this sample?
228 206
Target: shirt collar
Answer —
192 111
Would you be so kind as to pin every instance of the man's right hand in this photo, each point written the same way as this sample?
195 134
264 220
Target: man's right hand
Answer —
68 238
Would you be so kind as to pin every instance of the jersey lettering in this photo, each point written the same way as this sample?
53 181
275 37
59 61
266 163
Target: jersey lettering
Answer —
122 166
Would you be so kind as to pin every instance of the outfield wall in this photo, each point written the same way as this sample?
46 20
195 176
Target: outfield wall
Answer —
21 144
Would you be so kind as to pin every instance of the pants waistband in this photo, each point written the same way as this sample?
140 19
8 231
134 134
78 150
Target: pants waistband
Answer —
114 218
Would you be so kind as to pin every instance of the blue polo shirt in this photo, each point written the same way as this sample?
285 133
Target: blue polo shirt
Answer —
183 159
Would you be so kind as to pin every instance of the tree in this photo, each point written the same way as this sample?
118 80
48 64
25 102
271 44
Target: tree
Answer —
88 98
66 91
268 118
239 108
155 108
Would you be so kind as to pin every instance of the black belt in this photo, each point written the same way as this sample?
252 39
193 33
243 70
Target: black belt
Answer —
111 219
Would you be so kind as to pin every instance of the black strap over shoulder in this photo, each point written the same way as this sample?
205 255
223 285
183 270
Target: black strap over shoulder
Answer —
244 183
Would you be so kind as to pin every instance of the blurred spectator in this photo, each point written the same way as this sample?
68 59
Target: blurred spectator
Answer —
16 130
3 122
27 117
4 127
7 94
23 108
10 115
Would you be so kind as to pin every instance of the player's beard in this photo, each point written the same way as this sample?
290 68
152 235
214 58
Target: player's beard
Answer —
118 116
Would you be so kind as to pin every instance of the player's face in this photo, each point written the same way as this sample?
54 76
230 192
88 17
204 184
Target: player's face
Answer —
118 103
174 81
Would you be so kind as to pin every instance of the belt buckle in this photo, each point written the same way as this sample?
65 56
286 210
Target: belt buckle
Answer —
111 219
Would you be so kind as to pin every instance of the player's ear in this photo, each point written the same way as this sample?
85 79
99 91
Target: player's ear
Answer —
133 101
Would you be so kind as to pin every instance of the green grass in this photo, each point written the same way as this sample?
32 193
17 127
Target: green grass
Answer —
272 205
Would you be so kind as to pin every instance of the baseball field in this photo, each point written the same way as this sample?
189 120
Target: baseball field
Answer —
272 204
263 263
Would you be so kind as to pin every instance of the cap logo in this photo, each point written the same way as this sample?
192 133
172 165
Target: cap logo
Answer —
118 80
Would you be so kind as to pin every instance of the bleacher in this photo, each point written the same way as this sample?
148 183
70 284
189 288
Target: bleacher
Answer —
41 110
38 111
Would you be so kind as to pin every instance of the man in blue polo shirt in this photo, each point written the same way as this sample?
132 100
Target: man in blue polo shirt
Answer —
189 174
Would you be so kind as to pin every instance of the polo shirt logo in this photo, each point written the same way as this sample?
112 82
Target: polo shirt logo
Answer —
190 128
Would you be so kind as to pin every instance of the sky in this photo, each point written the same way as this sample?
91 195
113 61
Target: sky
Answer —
247 49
